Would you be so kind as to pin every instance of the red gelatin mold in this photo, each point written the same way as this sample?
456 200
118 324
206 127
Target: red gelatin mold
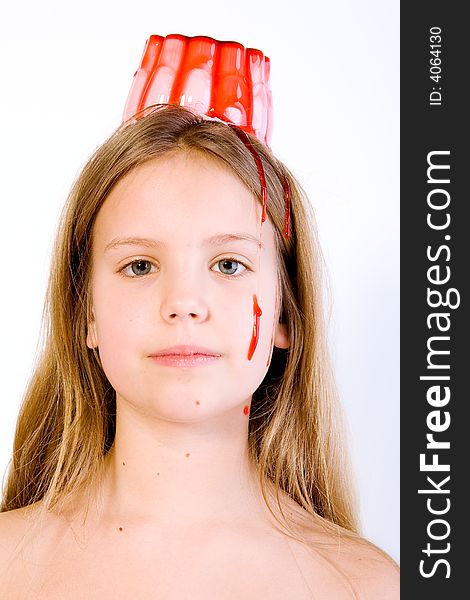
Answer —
218 79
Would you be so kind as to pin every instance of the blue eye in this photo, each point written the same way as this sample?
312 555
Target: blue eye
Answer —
231 264
138 266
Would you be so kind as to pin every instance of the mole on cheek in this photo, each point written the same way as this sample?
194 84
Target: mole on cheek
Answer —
197 402
187 454
120 528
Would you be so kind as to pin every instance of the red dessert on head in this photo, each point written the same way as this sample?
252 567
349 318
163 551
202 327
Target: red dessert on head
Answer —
217 79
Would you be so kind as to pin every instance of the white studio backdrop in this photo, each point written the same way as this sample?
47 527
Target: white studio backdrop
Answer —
66 71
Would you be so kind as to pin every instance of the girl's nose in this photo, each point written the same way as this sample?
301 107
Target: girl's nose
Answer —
184 303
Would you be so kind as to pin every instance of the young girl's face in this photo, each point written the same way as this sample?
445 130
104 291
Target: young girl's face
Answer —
189 283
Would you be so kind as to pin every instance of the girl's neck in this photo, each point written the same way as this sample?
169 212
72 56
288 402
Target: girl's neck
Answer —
175 474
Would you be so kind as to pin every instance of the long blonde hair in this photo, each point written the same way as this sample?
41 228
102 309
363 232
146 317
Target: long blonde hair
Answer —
66 423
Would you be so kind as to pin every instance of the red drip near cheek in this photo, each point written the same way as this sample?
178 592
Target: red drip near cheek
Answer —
256 318
246 409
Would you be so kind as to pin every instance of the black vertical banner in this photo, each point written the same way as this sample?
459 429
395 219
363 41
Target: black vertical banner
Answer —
435 268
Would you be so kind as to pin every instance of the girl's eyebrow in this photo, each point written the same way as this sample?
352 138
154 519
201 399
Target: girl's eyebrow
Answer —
215 240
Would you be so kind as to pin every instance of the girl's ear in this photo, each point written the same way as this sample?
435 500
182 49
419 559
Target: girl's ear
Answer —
91 336
281 336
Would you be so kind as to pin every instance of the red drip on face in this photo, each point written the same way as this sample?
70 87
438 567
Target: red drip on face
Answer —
246 409
255 336
287 229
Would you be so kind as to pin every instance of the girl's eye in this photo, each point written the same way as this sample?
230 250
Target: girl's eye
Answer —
230 265
139 267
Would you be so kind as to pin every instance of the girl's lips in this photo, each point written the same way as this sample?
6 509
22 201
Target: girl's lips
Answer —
185 360
185 349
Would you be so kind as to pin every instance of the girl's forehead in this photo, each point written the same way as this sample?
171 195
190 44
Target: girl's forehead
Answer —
181 195
191 173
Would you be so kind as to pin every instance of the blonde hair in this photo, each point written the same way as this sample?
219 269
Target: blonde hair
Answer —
66 423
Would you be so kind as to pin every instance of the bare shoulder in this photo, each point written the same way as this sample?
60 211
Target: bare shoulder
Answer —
372 573
367 571
16 527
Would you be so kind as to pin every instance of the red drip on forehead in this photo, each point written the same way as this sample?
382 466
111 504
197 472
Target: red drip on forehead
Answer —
285 182
246 140
286 186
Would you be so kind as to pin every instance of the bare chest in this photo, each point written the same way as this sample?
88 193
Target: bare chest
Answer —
143 566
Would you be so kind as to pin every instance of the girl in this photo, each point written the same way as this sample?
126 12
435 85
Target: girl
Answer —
180 436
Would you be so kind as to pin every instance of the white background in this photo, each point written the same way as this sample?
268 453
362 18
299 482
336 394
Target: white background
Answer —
65 74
